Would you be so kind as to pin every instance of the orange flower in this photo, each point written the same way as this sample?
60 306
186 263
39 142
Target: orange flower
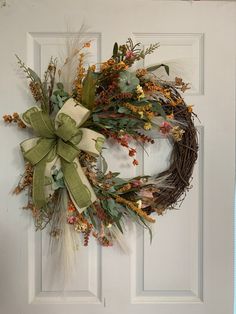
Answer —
170 116
93 68
87 45
135 162
132 152
150 115
190 108
71 207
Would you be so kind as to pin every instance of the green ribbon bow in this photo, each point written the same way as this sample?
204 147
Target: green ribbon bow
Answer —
59 144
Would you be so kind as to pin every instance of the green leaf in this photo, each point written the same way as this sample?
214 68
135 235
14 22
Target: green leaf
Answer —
167 69
112 190
90 212
95 118
149 229
110 206
117 222
158 108
88 91
115 174
155 67
111 203
115 50
34 76
118 181
104 165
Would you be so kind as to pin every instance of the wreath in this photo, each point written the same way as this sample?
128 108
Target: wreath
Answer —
77 108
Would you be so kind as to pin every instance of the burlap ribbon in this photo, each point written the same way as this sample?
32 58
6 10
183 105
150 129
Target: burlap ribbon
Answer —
57 145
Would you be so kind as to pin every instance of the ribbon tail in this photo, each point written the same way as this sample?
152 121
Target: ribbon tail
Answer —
79 188
38 192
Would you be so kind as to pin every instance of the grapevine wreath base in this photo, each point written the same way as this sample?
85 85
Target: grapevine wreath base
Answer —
76 109
184 156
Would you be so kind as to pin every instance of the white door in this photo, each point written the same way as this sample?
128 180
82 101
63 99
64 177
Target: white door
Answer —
188 269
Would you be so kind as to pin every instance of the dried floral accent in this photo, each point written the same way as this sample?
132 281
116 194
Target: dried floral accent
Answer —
71 220
142 111
177 133
123 96
55 233
36 91
101 213
125 188
15 118
140 93
87 44
181 85
152 87
135 162
135 208
137 109
79 77
190 108
147 126
170 116
132 152
80 226
26 180
165 127
87 234
143 138
102 239
141 72
71 207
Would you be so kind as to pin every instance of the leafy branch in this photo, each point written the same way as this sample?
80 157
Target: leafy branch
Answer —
41 91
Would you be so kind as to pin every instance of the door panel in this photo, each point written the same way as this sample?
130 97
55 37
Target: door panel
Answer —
188 268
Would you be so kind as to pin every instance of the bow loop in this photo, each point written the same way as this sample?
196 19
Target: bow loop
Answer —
39 151
42 124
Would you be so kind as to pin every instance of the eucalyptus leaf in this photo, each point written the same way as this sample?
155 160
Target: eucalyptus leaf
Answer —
123 110
54 98
60 102
128 81
57 178
59 175
60 86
